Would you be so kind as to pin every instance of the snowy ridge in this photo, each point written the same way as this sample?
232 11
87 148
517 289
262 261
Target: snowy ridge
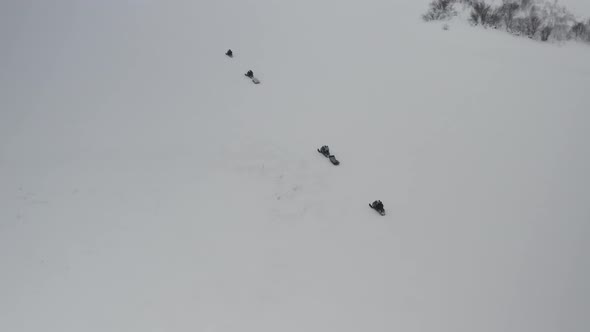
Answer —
147 185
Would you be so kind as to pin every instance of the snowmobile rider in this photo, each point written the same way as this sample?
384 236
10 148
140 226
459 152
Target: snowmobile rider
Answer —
378 205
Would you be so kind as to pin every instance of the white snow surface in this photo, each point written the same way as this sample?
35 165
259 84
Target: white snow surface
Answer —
147 185
580 8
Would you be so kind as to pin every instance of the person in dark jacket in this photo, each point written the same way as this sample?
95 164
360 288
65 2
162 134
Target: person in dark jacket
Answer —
250 74
324 150
229 53
377 205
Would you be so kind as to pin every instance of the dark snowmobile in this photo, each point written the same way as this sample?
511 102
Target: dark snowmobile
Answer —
378 206
250 75
325 150
333 160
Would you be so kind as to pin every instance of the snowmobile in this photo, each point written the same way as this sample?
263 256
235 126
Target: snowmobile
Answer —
378 206
325 151
250 75
333 160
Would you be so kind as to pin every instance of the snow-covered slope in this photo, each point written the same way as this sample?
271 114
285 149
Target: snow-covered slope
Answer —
580 8
147 185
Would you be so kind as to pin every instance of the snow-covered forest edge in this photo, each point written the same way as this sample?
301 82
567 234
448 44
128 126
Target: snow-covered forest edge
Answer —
536 19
